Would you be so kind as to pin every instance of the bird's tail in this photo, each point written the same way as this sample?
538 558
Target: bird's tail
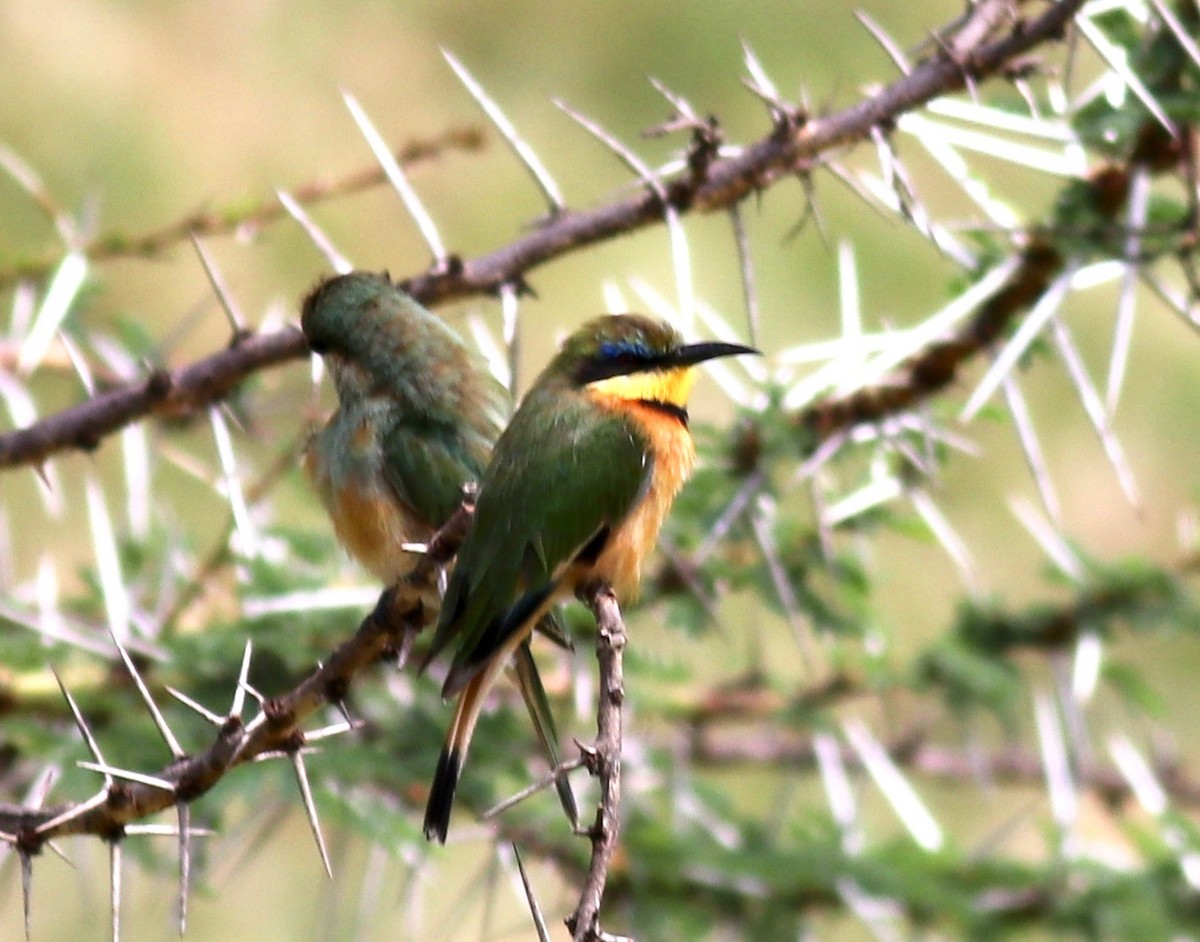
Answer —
441 795
472 682
534 693
454 754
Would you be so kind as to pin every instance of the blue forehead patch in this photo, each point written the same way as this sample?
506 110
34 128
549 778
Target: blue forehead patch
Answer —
623 349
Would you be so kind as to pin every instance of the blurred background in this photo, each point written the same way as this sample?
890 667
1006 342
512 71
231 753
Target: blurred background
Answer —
136 115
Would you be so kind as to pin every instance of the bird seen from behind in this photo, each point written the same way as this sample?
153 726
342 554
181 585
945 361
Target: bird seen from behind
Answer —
418 413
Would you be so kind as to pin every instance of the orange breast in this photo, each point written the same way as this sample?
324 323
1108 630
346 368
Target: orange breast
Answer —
373 527
368 519
674 454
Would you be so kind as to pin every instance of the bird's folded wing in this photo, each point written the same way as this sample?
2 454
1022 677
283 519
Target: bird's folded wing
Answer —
427 466
561 490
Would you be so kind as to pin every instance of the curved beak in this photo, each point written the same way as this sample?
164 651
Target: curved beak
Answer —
694 353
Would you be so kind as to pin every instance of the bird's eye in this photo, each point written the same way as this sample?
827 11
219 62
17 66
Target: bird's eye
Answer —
319 345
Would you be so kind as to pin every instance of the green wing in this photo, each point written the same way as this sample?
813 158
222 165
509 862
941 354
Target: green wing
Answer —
529 679
426 466
562 472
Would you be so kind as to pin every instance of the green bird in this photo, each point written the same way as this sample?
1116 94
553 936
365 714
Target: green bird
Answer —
575 493
418 413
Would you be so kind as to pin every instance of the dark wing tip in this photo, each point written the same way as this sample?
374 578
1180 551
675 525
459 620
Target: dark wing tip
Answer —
493 638
441 796
458 677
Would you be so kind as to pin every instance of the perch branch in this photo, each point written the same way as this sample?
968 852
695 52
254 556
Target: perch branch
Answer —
162 393
391 627
603 761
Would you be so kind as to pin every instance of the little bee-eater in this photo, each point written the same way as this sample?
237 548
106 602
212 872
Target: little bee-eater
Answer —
418 413
575 493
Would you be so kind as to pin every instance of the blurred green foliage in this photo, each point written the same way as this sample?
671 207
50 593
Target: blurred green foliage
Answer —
733 825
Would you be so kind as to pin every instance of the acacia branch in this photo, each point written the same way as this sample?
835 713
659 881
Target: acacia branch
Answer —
1041 260
390 628
1016 765
217 222
983 46
162 393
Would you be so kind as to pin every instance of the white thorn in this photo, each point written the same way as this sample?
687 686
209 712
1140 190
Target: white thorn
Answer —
1118 61
163 729
337 261
239 693
60 295
1031 448
539 921
225 298
1029 328
248 538
900 794
185 861
93 746
73 812
108 561
1057 550
1139 203
195 707
114 867
525 153
624 154
111 771
509 317
1094 408
1064 801
310 809
396 176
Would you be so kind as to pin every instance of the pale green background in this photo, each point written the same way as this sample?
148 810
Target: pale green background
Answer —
143 112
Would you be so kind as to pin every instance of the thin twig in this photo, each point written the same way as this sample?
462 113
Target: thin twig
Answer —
221 221
603 761
1012 764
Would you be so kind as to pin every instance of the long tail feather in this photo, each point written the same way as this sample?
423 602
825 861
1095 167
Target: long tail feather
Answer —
538 704
474 687
454 754
441 795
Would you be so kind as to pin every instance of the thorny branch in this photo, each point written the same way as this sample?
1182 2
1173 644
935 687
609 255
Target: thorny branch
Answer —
603 761
984 45
389 629
1041 260
911 750
162 393
209 222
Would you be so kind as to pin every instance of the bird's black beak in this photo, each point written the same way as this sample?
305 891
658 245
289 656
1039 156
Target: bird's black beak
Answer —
695 353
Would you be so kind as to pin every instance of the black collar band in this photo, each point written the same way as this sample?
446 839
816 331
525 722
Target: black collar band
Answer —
679 413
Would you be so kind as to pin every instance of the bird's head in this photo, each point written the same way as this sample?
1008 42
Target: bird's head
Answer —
346 315
379 342
634 357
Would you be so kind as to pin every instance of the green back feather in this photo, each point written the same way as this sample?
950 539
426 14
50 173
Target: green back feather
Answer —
561 471
433 405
